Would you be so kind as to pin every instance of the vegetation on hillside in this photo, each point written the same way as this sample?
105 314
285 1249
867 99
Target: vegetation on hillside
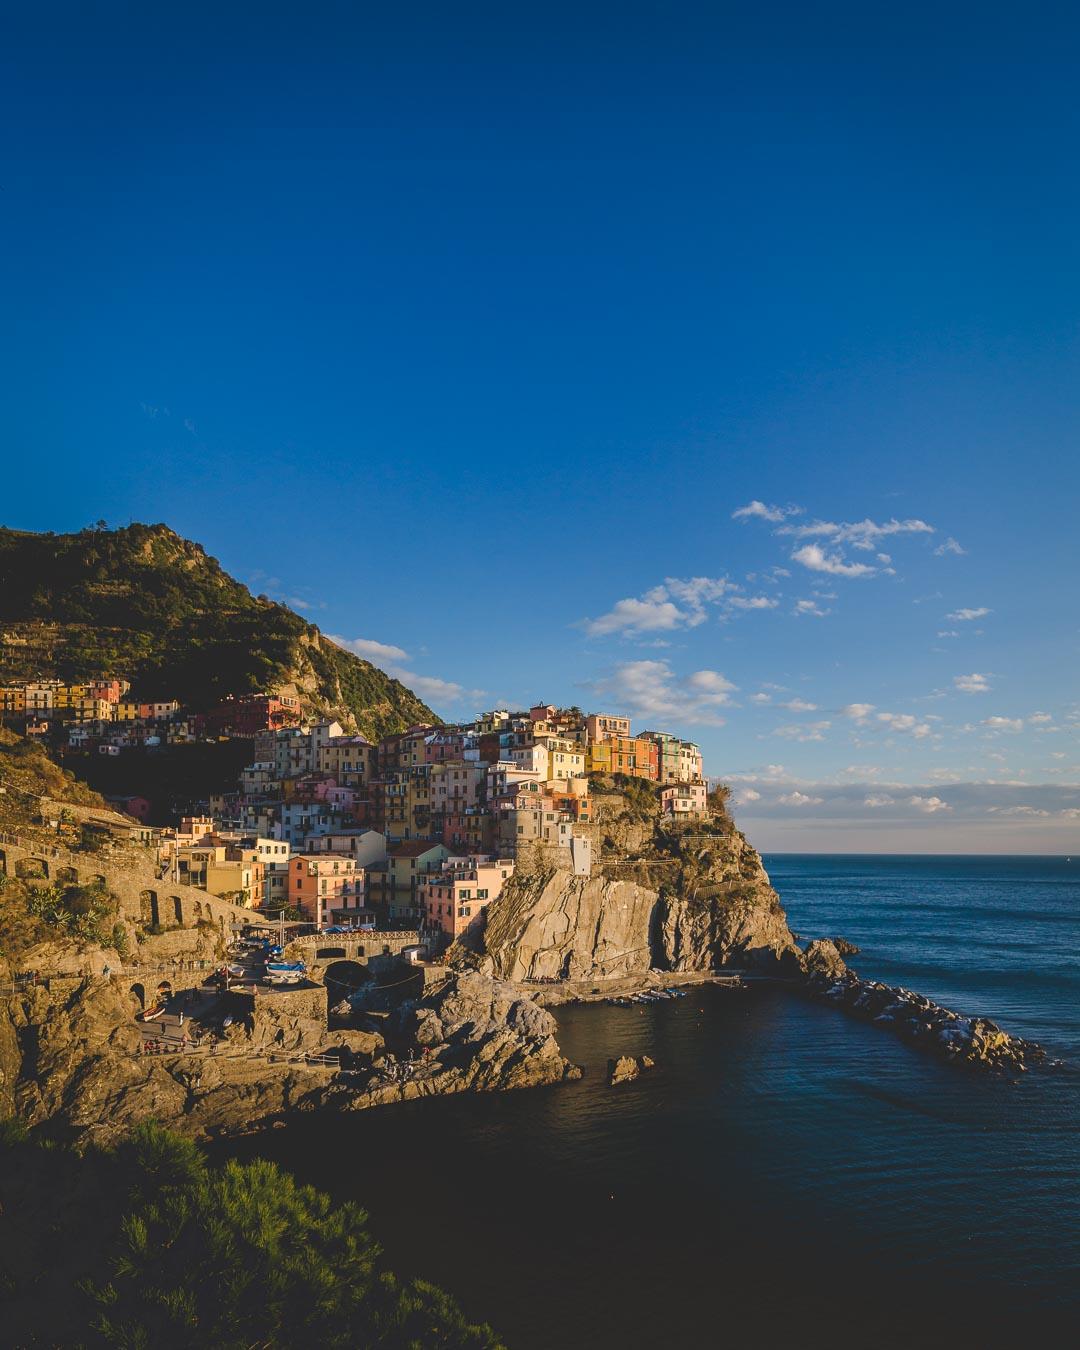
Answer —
149 1245
142 602
27 775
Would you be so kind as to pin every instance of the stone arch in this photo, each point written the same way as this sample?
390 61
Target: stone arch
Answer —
3 863
198 910
330 953
30 868
177 908
67 875
138 994
148 908
344 976
164 990
96 880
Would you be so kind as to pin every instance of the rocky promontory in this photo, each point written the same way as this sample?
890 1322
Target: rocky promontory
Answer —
657 897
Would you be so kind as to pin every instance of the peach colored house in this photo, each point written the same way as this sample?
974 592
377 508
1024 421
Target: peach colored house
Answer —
599 726
325 886
455 897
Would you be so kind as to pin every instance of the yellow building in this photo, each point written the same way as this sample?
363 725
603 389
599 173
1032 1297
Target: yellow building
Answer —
12 699
566 758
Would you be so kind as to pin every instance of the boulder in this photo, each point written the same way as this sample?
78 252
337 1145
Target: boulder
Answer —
623 1070
628 1067
822 958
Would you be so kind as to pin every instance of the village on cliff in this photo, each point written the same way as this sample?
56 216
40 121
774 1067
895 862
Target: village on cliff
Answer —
419 831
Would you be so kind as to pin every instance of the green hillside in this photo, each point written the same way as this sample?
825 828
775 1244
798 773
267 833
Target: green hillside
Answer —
144 603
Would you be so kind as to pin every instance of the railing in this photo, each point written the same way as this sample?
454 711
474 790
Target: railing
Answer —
409 936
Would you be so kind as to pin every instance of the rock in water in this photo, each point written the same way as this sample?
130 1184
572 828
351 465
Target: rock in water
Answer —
626 1068
823 958
623 1070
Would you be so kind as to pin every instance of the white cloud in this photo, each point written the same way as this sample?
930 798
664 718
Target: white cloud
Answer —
860 533
949 546
808 609
799 705
968 615
929 805
753 602
760 698
948 633
1004 723
814 557
797 798
370 650
640 616
811 731
972 684
906 724
858 712
678 602
747 795
651 690
1039 718
877 799
760 511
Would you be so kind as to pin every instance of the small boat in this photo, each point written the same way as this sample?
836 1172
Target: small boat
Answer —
285 972
148 1014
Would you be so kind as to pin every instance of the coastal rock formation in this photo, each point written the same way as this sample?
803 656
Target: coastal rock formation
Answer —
822 958
482 1034
975 1041
684 902
628 1067
72 1058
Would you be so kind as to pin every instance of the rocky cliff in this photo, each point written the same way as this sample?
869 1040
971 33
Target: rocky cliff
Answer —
658 897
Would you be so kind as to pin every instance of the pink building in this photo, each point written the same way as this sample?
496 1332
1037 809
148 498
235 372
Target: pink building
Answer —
454 898
685 799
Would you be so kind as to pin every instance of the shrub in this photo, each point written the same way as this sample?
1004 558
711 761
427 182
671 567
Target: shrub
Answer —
154 1247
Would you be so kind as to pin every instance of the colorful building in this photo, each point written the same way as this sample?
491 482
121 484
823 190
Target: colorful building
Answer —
453 898
599 726
685 799
324 886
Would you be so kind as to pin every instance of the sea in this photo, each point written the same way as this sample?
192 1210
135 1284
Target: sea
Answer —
786 1175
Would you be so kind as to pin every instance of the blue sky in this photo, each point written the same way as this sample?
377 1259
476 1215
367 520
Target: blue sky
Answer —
477 334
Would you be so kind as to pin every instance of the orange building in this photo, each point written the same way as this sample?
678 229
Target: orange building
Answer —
632 755
326 888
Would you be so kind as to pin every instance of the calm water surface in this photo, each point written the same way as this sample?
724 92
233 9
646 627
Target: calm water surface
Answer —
786 1175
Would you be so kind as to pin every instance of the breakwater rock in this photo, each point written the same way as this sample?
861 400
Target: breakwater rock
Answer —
967 1040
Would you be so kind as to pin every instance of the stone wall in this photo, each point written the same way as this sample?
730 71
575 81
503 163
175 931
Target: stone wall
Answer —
144 898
